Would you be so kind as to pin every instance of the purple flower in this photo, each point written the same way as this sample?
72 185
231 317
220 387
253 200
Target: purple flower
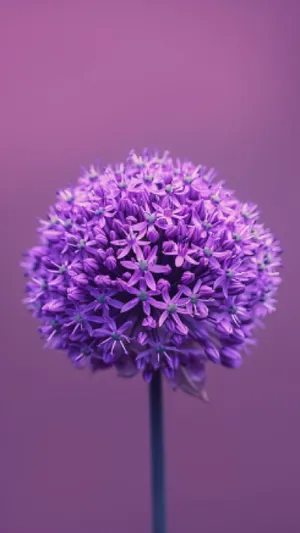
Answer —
204 222
82 243
195 296
104 212
233 276
166 215
103 299
157 355
235 307
211 255
182 252
133 241
113 336
142 295
78 319
172 308
150 224
152 264
145 267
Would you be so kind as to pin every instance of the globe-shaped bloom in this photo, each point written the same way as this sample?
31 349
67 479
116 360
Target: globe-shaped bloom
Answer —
152 265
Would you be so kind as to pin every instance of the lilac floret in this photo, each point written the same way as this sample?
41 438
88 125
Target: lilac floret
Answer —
152 265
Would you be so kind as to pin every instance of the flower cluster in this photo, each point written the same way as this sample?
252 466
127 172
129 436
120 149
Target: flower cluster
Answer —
150 265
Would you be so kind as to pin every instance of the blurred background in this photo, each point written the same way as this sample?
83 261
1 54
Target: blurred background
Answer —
217 82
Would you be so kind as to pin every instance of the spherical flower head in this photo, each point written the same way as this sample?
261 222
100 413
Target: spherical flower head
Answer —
152 265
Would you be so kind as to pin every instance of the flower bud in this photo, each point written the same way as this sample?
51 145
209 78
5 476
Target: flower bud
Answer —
102 281
142 338
90 265
54 306
153 234
81 279
149 322
163 284
231 357
213 354
75 294
169 246
52 235
110 263
101 238
187 277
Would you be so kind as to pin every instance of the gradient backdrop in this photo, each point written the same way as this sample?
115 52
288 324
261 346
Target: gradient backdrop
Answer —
217 82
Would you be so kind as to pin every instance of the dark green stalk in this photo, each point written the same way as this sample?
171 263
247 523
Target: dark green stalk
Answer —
157 454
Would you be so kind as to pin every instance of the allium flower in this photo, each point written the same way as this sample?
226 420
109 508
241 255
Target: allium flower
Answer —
152 265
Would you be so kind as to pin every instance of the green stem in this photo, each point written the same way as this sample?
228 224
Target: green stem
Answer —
157 454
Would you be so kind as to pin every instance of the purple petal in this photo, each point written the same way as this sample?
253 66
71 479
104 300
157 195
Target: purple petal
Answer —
139 254
114 303
191 260
135 278
163 317
219 282
225 287
160 269
124 252
152 254
101 332
179 261
129 305
186 290
150 280
197 286
140 226
202 310
182 328
146 307
178 300
157 303
182 311
222 255
130 265
140 243
205 290
125 326
189 308
165 294
214 263
121 242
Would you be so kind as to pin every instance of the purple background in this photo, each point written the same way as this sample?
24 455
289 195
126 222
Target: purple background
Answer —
217 82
